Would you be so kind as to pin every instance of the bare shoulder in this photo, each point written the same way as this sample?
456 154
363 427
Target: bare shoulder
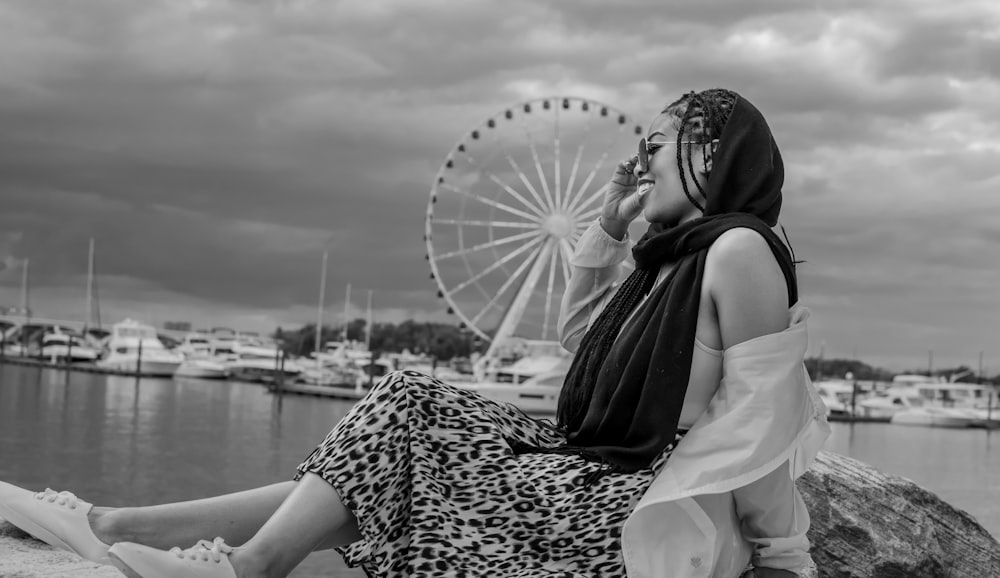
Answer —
746 286
739 245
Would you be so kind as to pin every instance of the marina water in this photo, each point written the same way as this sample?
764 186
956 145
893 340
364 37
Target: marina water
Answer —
118 441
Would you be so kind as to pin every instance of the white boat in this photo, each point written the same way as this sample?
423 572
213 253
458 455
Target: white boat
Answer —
920 400
536 395
59 344
934 417
836 396
261 362
203 368
194 344
529 366
133 347
24 339
440 372
884 405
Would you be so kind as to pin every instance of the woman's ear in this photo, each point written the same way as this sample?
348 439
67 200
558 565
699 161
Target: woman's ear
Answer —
709 152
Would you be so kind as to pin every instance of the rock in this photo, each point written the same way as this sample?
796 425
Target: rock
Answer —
865 523
22 556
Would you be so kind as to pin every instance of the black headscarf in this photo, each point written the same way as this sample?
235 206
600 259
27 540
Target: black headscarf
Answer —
634 401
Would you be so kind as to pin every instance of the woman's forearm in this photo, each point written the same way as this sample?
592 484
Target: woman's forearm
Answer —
594 269
774 518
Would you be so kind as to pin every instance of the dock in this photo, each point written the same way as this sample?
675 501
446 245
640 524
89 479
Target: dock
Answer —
81 367
343 391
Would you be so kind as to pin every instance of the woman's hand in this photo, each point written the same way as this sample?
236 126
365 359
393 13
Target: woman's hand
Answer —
621 203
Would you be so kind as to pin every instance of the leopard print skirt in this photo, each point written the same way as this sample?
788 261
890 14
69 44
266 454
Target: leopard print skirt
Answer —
428 471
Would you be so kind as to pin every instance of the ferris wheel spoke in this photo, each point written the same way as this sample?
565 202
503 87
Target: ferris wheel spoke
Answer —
593 172
492 203
553 265
488 245
575 203
499 263
541 177
572 177
508 283
498 224
516 195
557 201
526 182
576 165
538 166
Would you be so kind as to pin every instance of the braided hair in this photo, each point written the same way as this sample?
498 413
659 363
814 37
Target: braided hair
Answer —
702 117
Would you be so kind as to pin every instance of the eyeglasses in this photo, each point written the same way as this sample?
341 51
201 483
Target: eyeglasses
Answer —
649 148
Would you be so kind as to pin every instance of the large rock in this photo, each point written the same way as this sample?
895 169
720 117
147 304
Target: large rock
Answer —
21 556
865 523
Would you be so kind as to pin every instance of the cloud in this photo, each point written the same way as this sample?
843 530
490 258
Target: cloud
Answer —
216 148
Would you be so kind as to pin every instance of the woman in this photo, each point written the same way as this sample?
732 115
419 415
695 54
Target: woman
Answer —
659 466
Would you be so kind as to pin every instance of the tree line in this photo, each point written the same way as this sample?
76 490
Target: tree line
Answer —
839 368
439 340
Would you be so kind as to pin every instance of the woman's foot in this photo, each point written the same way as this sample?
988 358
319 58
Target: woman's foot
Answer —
59 519
204 560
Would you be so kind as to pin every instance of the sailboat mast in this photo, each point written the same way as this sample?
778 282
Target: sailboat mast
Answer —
347 306
25 304
90 286
322 300
368 324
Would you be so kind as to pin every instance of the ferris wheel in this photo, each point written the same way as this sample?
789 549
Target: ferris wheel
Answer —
508 205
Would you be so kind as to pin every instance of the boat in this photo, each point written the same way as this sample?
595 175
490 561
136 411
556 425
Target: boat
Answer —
885 404
194 344
207 367
134 347
934 417
258 361
538 394
61 344
24 339
836 396
927 401
201 359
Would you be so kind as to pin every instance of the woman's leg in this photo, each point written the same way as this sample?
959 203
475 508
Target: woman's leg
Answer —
236 517
311 515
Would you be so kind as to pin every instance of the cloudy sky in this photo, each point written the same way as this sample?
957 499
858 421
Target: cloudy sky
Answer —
214 149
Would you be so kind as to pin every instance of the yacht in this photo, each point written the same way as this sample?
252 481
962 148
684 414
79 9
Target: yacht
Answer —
260 361
202 360
538 394
207 367
133 347
836 396
61 344
24 339
934 417
929 403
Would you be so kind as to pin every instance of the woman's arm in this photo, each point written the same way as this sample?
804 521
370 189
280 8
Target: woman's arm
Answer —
750 297
595 268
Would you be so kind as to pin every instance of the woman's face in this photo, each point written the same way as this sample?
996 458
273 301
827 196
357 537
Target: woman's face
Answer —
663 199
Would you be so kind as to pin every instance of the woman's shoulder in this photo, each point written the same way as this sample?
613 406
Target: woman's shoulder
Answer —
746 286
740 247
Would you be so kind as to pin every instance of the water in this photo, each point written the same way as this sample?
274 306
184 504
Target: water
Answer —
115 441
